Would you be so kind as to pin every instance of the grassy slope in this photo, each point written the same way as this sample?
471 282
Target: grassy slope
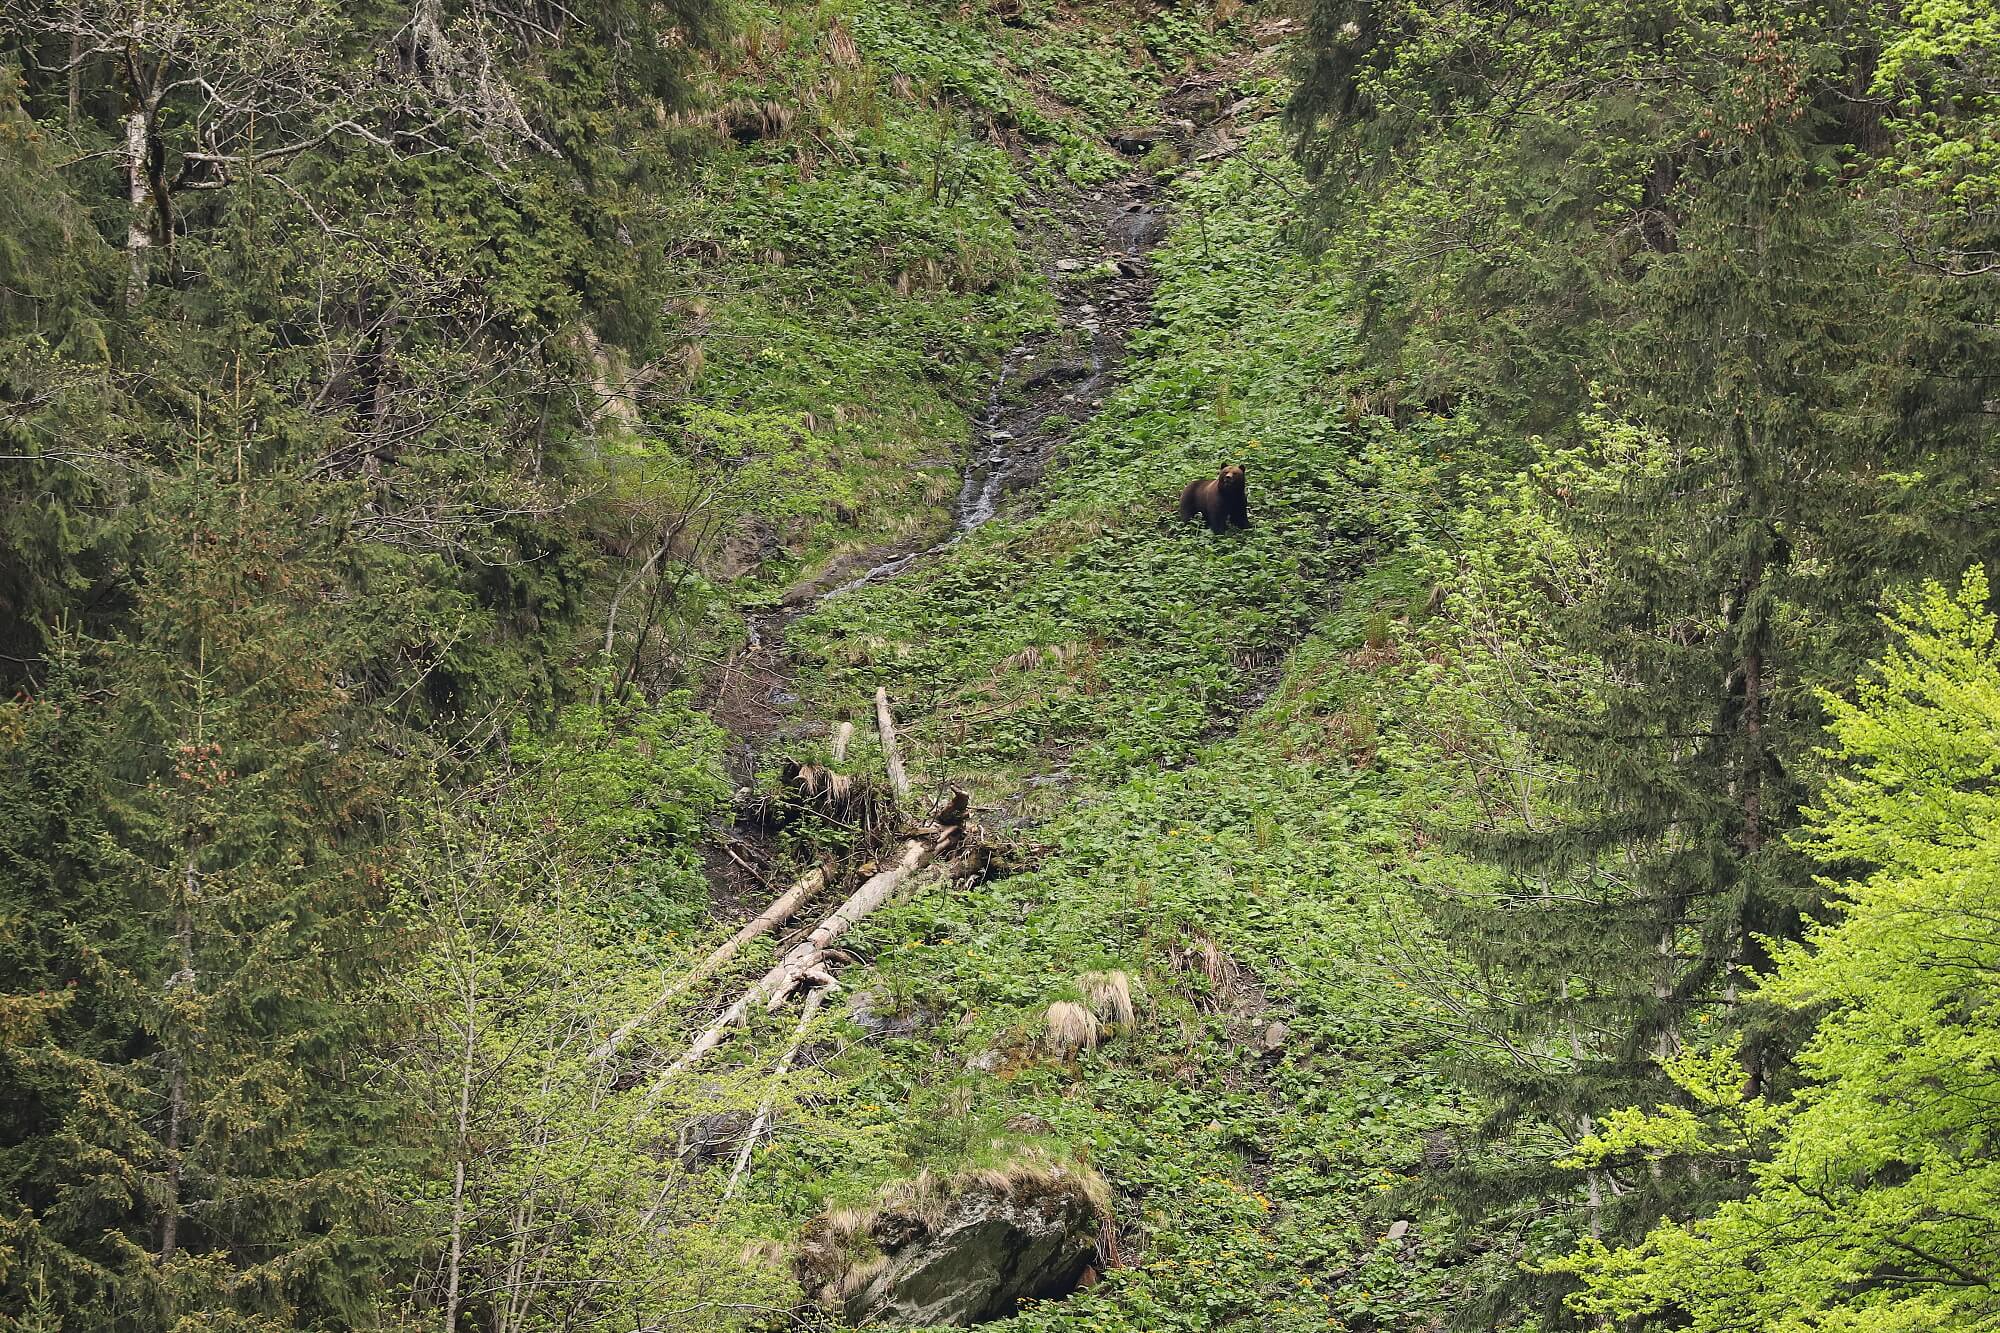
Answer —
859 267
1102 641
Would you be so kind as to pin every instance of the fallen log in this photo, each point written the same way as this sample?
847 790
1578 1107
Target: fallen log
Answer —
808 955
807 1013
899 781
777 914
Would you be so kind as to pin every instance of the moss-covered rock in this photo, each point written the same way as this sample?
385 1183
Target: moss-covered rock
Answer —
957 1250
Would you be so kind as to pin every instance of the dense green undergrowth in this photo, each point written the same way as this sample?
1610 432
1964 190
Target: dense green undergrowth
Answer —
859 258
399 440
1103 635
1270 1110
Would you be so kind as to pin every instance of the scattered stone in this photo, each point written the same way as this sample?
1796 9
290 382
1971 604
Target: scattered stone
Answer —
1398 1229
1068 265
872 1012
1274 1036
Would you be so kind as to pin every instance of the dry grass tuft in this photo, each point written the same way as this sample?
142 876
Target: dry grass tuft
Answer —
1072 1029
841 51
1109 996
938 487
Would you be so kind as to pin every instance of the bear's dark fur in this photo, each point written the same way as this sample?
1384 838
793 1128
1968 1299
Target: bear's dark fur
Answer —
1220 500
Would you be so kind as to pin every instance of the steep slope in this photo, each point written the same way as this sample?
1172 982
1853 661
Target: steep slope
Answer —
1180 724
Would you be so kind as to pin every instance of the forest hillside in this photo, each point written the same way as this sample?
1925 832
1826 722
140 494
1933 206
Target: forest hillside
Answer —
615 712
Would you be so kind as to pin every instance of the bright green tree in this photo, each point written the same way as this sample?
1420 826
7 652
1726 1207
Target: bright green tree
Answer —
1875 1196
1647 234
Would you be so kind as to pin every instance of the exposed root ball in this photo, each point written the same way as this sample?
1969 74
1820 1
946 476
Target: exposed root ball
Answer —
1072 1028
1109 996
747 121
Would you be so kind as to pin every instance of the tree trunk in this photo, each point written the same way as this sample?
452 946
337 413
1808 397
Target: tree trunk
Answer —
183 980
75 65
139 201
777 914
456 1259
807 955
807 1013
899 781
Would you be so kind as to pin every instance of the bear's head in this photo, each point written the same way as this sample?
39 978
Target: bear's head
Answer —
1231 479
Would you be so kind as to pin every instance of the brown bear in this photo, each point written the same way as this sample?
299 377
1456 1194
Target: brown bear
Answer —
1220 500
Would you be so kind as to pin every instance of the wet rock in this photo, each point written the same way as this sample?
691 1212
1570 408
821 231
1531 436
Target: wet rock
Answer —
1197 103
953 1252
708 1139
1139 229
1062 372
753 542
1137 142
875 1014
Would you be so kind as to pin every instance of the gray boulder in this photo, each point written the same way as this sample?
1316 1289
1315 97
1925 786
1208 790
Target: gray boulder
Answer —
963 1250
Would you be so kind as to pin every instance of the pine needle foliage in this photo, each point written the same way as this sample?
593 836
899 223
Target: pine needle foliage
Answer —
1675 241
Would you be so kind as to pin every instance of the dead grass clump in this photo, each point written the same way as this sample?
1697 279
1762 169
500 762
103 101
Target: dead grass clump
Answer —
748 120
1026 660
1073 1029
1203 956
938 487
1109 996
841 51
1352 735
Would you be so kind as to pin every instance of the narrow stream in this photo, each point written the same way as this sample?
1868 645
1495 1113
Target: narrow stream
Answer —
1009 447
1026 420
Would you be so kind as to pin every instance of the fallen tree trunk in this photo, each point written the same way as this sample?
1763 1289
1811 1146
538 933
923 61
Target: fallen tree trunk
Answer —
808 954
899 781
807 1013
777 914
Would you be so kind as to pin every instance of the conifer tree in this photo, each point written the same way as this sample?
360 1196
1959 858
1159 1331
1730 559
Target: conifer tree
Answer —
1663 216
200 1163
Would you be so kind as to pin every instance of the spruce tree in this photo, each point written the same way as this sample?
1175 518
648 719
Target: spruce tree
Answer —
1661 216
